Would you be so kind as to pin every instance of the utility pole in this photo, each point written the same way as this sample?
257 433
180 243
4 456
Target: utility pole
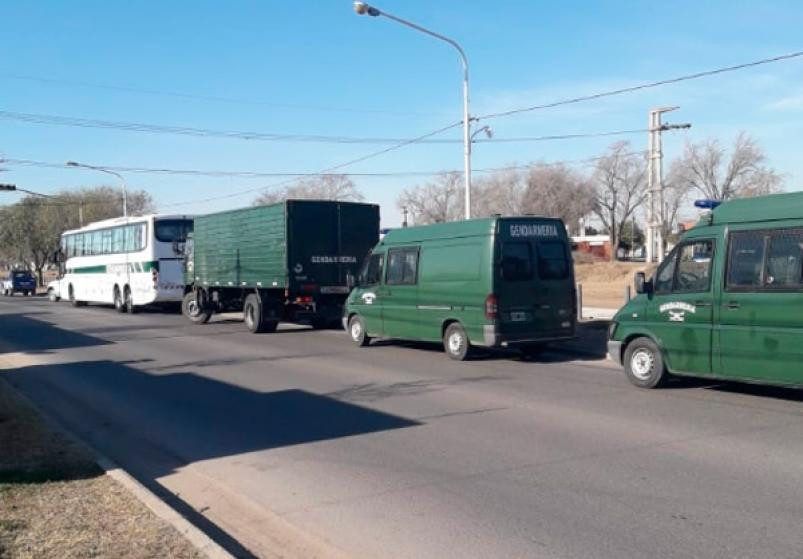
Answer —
655 184
404 210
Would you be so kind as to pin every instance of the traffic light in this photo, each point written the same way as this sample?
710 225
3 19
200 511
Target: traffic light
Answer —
8 187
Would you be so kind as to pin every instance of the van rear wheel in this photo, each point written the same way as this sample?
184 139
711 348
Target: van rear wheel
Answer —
644 364
455 342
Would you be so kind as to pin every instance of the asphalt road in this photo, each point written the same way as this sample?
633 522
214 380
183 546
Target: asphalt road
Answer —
298 444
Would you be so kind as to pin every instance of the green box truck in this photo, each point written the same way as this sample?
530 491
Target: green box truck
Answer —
495 282
286 261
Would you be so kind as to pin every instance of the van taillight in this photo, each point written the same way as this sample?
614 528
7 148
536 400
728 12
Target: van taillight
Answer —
491 307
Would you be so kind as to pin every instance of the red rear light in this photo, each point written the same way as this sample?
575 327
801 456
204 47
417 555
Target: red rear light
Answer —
491 307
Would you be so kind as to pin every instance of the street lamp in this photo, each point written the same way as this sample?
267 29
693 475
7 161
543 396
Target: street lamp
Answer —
365 9
108 172
489 133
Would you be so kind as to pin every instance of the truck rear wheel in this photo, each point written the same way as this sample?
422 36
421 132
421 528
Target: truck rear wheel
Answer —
192 308
254 316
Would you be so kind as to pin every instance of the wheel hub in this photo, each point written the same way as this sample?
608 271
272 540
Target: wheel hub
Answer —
455 342
356 330
641 363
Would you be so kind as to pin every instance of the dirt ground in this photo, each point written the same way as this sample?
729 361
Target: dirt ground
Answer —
604 282
56 503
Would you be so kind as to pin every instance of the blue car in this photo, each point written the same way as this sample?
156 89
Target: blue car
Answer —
19 281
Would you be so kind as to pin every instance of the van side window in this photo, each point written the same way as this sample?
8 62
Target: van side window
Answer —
694 267
372 272
784 259
746 259
666 273
402 266
552 263
517 262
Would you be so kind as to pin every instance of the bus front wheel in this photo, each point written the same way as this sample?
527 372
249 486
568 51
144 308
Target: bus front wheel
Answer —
129 300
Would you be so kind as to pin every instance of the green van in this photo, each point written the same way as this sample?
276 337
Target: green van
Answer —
727 303
495 282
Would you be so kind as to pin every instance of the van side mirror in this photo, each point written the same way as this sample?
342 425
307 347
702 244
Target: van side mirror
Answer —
351 281
643 285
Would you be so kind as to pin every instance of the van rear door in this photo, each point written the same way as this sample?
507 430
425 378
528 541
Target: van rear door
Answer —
534 280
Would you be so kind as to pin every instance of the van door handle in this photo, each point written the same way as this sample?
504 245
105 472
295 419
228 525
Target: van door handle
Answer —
702 304
733 305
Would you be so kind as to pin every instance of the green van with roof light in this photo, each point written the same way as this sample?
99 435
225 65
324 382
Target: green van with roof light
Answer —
726 303
495 282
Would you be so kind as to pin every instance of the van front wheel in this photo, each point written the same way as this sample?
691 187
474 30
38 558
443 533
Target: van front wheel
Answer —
357 331
644 365
455 342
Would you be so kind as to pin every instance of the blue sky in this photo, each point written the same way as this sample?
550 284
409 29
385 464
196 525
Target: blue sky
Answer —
315 67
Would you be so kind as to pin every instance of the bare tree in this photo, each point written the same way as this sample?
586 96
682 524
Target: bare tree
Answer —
618 179
705 167
557 191
546 190
501 192
30 229
434 202
323 187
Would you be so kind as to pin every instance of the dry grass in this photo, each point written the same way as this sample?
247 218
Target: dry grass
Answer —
56 503
604 282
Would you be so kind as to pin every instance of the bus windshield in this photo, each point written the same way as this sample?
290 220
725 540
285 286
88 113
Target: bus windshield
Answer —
172 230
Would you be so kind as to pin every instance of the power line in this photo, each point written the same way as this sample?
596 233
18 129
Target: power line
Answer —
324 171
649 85
258 174
213 98
57 120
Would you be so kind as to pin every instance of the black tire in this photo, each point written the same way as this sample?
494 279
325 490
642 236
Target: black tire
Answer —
119 306
531 351
254 316
128 301
456 342
319 323
644 364
73 300
193 310
357 331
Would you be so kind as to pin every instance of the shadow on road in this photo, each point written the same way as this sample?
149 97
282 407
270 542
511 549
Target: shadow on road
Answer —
21 332
191 417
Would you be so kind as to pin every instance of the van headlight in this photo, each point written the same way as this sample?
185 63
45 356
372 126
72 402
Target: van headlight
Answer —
612 329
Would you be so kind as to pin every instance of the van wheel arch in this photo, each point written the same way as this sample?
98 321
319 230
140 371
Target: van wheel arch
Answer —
448 322
635 336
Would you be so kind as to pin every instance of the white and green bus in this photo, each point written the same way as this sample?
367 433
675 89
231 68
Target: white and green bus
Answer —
128 262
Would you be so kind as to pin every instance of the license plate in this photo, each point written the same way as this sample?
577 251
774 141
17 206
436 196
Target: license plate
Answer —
335 289
518 316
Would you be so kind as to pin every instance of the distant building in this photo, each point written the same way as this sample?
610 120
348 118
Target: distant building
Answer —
599 246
